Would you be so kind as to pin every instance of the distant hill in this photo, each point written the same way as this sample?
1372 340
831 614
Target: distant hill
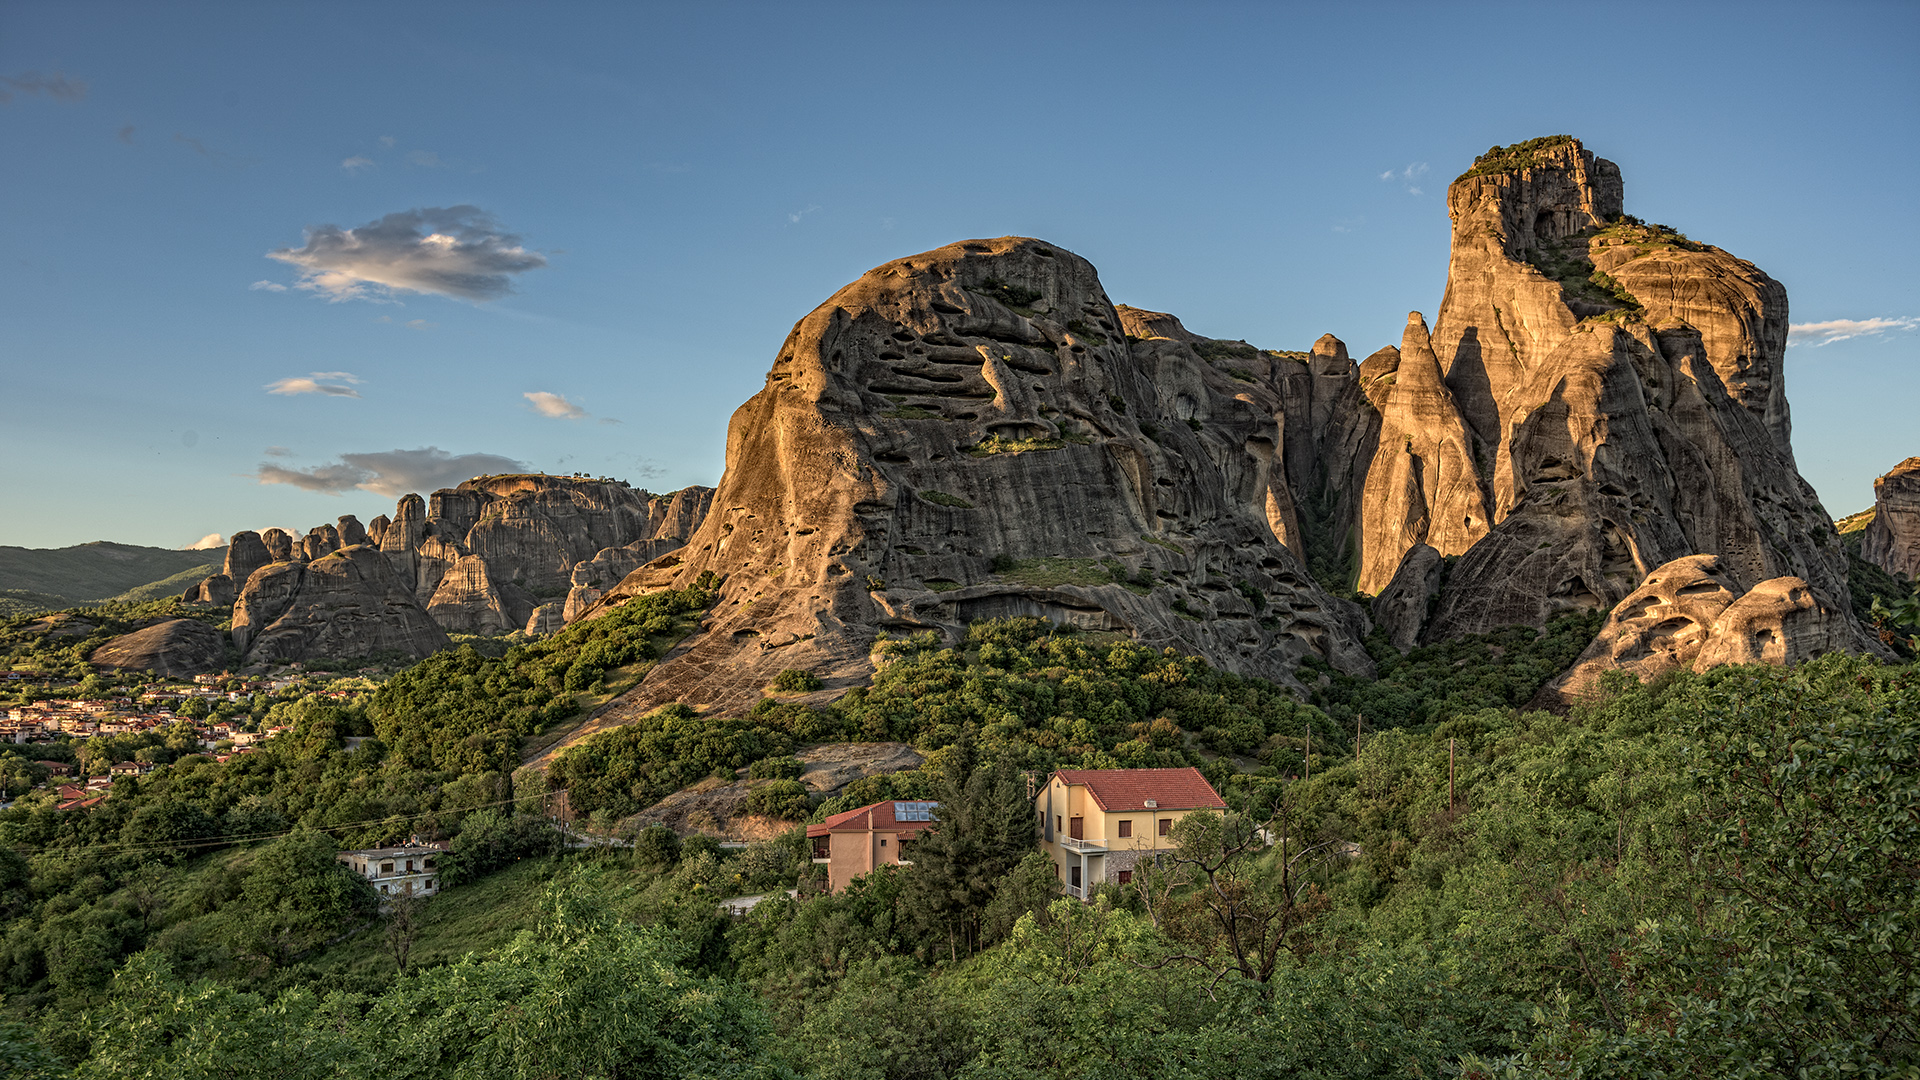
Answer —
102 570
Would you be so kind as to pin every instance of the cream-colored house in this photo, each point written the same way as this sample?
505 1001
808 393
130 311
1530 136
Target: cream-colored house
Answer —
1097 825
408 869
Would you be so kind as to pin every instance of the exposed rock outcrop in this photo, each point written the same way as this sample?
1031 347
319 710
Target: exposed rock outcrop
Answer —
1692 614
173 647
968 433
1622 390
1401 608
1892 539
347 603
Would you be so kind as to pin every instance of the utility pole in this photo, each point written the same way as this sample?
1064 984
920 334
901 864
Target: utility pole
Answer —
1449 776
1309 751
1358 719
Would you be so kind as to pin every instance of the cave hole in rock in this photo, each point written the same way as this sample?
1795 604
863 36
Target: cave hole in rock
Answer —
1701 588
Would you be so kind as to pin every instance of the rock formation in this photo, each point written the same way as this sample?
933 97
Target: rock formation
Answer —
173 647
1401 608
484 556
347 603
969 433
1892 538
1691 613
1623 395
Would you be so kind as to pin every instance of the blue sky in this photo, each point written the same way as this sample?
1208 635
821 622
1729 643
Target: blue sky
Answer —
644 199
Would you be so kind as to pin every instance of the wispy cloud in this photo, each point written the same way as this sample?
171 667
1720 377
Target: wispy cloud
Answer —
277 451
794 217
1409 177
391 472
426 159
33 84
1826 333
1347 225
387 141
207 543
456 251
330 383
267 286
193 144
356 163
420 324
126 134
554 405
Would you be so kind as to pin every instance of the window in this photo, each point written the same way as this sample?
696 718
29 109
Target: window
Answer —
883 841
1057 826
1124 877
1164 824
386 868
386 888
409 866
1126 827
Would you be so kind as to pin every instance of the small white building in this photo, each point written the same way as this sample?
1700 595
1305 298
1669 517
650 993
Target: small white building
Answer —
408 869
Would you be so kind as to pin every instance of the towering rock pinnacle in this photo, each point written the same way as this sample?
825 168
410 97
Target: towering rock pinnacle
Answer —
1892 539
969 432
1624 385
1422 487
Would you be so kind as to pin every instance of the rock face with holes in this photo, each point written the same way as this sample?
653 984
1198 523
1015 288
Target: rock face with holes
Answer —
487 556
1692 613
1892 538
346 603
1622 397
969 433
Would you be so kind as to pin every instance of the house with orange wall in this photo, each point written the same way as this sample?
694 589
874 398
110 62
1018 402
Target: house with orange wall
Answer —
1098 825
853 843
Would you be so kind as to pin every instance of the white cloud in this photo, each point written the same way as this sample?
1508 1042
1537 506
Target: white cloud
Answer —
391 473
356 163
555 406
426 159
456 251
387 141
206 543
1826 333
33 84
798 214
277 451
420 324
268 286
1408 177
331 383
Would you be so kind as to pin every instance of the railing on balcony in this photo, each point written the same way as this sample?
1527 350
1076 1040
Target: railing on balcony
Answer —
1089 847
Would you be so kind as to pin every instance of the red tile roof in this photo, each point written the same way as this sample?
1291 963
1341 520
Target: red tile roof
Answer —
1129 789
856 821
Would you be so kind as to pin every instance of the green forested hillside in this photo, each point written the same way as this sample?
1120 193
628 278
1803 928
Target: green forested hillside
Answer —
100 570
1709 876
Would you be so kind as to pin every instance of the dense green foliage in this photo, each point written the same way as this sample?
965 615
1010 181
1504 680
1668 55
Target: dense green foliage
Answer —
1530 154
1710 875
465 712
59 643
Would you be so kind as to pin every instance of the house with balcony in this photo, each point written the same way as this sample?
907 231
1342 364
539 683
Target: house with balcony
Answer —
407 869
1099 825
853 843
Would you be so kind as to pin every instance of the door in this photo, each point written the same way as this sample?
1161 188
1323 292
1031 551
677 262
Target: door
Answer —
1073 875
1077 828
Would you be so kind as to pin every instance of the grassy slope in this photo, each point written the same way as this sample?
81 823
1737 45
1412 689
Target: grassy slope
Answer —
96 571
172 585
477 917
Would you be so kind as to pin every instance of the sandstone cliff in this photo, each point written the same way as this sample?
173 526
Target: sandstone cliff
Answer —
1892 538
346 603
495 554
1692 613
969 433
1623 394
173 647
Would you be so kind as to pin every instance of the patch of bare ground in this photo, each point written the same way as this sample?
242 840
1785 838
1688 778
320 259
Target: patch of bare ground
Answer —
719 808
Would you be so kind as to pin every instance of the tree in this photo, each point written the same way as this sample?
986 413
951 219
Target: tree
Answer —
1233 905
299 895
983 827
403 926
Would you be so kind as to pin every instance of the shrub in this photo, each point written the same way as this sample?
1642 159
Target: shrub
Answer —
796 681
783 799
775 768
656 845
